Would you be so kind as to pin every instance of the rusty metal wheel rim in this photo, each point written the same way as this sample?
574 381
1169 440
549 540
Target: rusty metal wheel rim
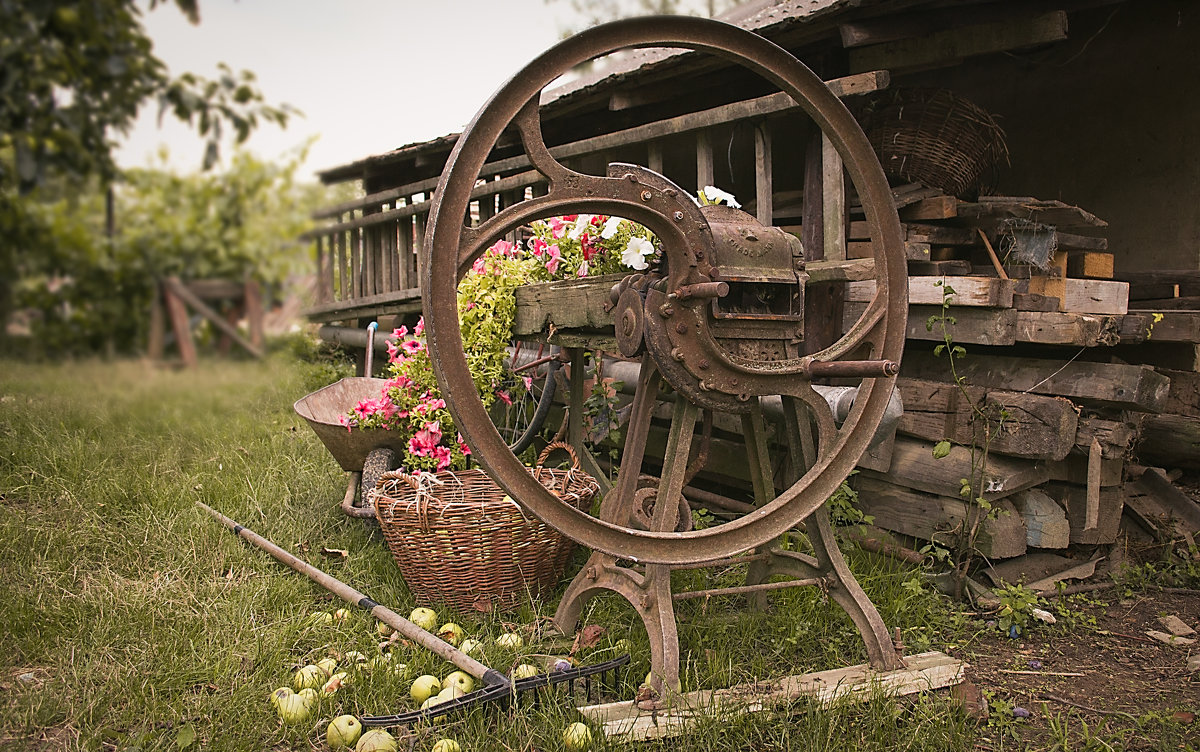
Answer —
445 260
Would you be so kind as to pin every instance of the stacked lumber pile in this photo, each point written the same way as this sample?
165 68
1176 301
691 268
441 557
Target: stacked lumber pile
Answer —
1036 305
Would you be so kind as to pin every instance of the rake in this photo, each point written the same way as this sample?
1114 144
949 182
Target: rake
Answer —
496 686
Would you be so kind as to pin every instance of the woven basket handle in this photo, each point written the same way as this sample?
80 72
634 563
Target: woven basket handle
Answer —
410 480
570 450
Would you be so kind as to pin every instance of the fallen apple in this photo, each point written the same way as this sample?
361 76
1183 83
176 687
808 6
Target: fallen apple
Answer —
510 641
294 709
376 740
524 671
336 682
343 732
353 656
341 615
446 745
472 647
309 676
328 665
451 633
310 697
280 694
460 679
383 630
424 687
425 618
321 618
577 736
433 702
450 693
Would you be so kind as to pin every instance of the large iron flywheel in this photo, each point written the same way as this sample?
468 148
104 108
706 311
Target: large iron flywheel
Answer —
677 313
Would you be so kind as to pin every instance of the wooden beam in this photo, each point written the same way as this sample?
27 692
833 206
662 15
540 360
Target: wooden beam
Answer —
984 292
915 467
976 326
1108 511
833 199
1077 329
1037 427
764 198
936 207
1046 524
1113 384
952 45
179 290
1170 441
941 518
181 326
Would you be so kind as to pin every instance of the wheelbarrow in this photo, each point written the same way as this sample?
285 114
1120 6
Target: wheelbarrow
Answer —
365 453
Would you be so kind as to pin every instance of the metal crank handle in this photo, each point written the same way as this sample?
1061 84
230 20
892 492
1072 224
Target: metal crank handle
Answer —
427 640
863 369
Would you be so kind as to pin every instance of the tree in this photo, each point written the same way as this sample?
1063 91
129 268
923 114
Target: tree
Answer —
73 74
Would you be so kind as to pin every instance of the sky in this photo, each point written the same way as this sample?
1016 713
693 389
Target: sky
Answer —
369 75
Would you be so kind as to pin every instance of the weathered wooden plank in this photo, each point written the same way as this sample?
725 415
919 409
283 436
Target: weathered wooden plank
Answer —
1046 524
1074 499
1050 212
935 207
1172 326
833 198
941 518
1089 264
915 467
1113 384
704 159
850 270
984 292
180 325
866 249
1074 469
763 179
922 672
1078 329
569 304
1184 397
180 291
1037 427
1170 441
976 326
946 47
1094 296
1116 437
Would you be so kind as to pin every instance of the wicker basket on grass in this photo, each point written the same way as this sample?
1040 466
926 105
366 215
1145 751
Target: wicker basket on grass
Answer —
458 539
936 138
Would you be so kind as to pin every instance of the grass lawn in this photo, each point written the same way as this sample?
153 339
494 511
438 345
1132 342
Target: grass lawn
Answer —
132 621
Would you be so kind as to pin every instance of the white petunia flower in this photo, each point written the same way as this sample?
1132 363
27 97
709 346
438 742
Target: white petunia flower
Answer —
716 195
610 227
581 225
634 255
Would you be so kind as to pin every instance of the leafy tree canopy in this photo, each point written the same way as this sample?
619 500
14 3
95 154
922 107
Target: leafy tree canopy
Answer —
73 75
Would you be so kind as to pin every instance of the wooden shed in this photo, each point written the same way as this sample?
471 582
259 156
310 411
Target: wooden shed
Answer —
1092 348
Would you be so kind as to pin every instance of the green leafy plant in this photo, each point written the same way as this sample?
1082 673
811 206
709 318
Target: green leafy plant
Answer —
1017 603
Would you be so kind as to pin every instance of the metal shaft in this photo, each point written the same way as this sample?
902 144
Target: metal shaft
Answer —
427 640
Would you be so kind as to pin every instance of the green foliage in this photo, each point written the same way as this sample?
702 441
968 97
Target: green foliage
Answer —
90 292
843 509
1017 603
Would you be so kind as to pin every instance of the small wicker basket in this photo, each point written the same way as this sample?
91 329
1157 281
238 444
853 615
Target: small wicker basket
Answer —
936 138
459 540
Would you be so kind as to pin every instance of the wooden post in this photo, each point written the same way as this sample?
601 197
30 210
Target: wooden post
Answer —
181 327
763 179
157 335
654 157
824 303
833 201
704 160
254 311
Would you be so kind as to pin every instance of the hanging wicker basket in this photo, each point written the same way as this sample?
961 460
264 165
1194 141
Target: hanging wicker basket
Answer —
459 540
938 139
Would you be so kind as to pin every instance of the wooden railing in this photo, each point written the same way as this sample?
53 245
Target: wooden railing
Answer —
368 253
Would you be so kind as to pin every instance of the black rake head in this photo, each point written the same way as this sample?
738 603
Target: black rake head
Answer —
507 691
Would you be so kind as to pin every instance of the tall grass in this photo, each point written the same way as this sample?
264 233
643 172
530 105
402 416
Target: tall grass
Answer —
131 620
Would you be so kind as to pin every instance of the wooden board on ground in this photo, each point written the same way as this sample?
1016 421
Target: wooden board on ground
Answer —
987 292
941 518
1112 384
922 672
915 467
1037 427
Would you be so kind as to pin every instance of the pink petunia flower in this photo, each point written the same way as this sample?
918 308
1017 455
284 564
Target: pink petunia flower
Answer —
462 446
412 346
419 329
442 455
478 265
528 380
504 396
